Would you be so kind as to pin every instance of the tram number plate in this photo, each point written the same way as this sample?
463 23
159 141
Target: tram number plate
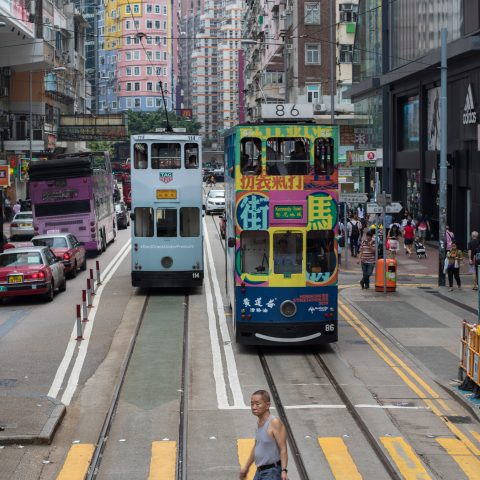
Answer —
166 194
329 328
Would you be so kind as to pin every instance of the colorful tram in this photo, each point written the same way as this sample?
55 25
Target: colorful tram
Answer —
281 186
167 236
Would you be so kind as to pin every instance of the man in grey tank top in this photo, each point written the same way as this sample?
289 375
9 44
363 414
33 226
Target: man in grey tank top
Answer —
270 450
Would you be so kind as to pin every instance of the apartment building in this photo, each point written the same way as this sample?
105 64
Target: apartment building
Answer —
42 75
139 57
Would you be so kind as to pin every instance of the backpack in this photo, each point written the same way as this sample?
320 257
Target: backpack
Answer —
355 230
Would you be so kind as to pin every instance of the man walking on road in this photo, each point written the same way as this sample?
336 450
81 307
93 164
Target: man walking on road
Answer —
354 228
367 258
270 450
473 249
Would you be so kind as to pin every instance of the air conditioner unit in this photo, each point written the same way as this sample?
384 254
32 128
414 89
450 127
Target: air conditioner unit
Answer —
3 91
319 108
289 47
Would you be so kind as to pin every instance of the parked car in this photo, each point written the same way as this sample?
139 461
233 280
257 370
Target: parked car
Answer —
22 225
223 225
6 244
123 219
66 248
215 201
31 271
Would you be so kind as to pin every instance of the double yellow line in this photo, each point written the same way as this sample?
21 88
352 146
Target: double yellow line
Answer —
425 393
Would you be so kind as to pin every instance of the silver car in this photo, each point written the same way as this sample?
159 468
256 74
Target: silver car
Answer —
215 201
22 225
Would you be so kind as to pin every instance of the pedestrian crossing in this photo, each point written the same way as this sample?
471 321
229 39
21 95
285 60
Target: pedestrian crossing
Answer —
335 450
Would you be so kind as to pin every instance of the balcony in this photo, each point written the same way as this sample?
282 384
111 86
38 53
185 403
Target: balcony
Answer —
59 87
19 131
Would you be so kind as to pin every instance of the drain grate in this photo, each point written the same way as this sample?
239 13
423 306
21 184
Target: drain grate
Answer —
8 382
458 419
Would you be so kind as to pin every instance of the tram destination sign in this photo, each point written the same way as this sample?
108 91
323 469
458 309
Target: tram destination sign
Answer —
288 212
353 197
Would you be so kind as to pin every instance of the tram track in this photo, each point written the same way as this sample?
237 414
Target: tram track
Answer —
350 407
102 442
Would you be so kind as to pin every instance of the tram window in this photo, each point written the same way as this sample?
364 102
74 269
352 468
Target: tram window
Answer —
287 252
255 247
251 156
321 256
288 156
166 155
324 156
140 155
166 222
189 222
191 155
143 222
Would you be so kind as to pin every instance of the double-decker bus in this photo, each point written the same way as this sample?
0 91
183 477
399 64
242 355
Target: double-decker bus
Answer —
281 211
74 193
167 234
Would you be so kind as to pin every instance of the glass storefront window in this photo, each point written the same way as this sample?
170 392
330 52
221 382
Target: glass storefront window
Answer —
410 123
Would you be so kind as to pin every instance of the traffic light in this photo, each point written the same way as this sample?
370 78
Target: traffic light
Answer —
23 167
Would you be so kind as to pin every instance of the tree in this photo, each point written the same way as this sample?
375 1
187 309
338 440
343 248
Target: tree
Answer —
101 146
147 122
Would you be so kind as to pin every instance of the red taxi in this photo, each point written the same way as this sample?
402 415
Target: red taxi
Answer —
31 271
67 248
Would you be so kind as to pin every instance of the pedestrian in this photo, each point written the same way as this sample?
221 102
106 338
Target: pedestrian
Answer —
408 235
388 223
360 212
393 241
455 257
423 227
270 449
340 239
16 208
449 238
367 259
354 228
473 253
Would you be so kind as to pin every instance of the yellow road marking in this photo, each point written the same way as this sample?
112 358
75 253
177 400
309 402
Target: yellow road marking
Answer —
373 340
77 462
339 459
476 435
163 461
244 448
404 457
462 455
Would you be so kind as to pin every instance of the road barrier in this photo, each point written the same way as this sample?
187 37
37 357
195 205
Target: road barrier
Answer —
79 324
470 358
97 268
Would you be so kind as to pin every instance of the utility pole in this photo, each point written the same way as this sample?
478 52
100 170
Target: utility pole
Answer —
333 52
442 215
285 67
96 43
30 109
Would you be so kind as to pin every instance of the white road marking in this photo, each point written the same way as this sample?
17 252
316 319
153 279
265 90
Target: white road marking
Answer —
233 378
336 407
70 350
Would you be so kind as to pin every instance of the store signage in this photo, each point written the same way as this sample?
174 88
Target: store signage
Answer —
361 158
469 110
371 155
345 172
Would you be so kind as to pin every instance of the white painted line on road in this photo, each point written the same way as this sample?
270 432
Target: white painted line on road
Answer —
82 350
222 320
315 406
70 350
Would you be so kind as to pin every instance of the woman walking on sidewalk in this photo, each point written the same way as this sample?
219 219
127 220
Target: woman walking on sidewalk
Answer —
393 239
367 259
455 257
409 235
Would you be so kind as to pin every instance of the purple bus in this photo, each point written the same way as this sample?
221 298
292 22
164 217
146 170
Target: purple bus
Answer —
74 193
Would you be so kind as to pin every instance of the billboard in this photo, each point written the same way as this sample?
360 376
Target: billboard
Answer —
92 127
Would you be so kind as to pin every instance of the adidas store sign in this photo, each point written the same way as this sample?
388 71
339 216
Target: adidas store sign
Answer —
469 113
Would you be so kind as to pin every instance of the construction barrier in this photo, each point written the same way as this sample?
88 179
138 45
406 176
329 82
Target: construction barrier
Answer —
470 354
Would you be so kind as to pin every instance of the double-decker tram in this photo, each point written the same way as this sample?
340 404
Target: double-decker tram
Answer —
281 207
167 236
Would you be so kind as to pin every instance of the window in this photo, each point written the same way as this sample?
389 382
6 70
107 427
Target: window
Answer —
140 155
312 13
158 102
129 103
255 249
136 103
136 55
127 25
114 105
129 86
348 12
149 40
129 40
149 24
137 86
136 8
158 40
158 55
149 70
164 9
158 70
191 155
288 156
323 158
128 9
136 23
287 252
312 54
409 111
149 102
321 257
251 156
313 93
149 54
149 86
149 8
143 222
136 71
129 71
166 155
128 55
157 24
189 222
165 56
166 222
157 8
348 54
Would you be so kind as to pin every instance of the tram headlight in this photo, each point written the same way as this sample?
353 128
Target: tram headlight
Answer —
167 262
288 308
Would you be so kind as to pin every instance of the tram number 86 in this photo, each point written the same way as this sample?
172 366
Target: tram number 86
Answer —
280 111
329 327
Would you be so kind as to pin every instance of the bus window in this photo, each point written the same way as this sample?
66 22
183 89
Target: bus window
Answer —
166 222
324 156
321 251
140 155
287 252
255 246
251 156
166 155
143 222
288 156
189 222
191 155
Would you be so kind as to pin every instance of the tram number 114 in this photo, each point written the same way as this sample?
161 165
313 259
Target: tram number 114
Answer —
195 275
